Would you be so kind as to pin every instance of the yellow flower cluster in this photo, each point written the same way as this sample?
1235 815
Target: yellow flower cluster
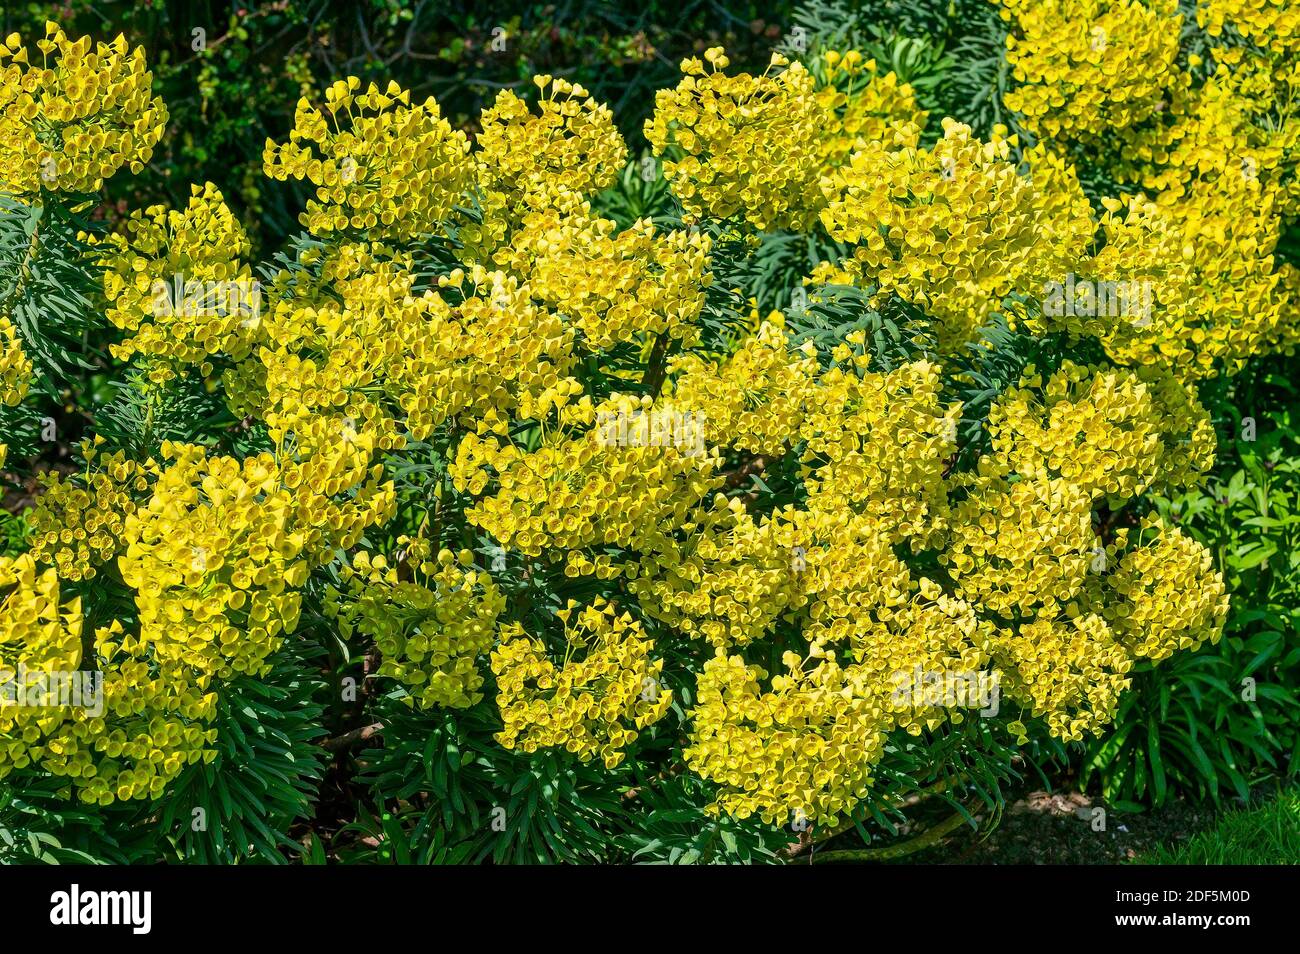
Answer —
1070 671
756 149
952 229
431 634
799 752
1238 124
755 399
491 355
15 368
1206 264
571 146
1086 67
374 357
219 551
215 562
610 286
179 282
1167 595
863 106
727 582
584 489
379 164
1020 547
77 118
1271 23
742 146
590 706
79 520
117 727
878 443
1106 431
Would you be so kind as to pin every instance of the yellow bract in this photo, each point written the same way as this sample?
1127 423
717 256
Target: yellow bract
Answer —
1086 67
379 164
430 633
177 280
15 368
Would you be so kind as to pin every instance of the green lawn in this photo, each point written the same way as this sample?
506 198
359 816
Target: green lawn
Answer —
1266 835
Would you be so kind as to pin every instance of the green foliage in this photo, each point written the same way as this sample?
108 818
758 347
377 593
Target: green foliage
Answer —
265 776
46 288
448 794
1265 835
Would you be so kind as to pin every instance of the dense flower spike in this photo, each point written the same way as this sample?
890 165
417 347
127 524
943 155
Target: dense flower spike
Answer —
177 280
756 399
1107 432
1203 270
952 229
571 145
431 633
611 286
1022 547
1168 596
380 165
1069 671
1238 124
742 146
77 118
79 521
588 489
595 703
1086 67
800 751
117 729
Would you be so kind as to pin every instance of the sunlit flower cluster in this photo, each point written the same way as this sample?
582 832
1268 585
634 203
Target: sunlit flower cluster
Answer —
75 118
15 368
179 282
1106 431
952 229
1086 67
1271 23
742 146
785 522
431 626
604 692
79 520
380 164
123 736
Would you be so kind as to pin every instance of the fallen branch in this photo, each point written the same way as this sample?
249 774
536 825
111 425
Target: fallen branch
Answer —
341 742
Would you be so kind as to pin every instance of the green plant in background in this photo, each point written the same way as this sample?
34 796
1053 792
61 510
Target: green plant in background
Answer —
1264 835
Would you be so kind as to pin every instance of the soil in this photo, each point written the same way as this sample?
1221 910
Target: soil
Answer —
1066 828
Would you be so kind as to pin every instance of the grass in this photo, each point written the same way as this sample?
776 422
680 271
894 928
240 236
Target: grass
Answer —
1265 835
